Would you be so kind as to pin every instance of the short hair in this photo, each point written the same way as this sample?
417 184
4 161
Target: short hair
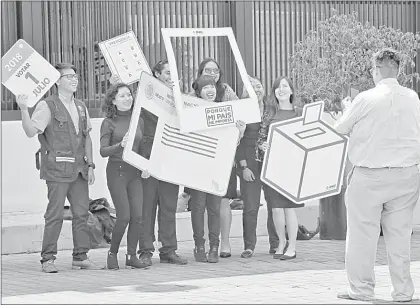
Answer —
61 66
388 57
108 108
201 82
220 87
158 68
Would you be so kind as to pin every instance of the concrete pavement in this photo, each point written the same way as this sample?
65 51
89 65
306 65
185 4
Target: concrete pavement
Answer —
314 277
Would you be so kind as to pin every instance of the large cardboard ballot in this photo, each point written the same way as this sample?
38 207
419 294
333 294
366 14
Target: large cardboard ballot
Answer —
25 71
198 160
306 157
125 57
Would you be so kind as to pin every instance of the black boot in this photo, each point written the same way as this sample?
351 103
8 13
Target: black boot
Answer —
112 261
213 256
132 261
200 254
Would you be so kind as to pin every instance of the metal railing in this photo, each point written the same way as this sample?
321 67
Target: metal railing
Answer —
266 31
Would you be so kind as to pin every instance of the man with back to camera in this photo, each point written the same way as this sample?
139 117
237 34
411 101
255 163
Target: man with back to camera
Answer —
383 125
62 124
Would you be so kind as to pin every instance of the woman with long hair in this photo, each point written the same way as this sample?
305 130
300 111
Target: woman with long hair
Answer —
249 173
279 107
158 193
124 181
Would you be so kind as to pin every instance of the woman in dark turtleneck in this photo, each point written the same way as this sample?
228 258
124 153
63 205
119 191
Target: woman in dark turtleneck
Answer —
124 181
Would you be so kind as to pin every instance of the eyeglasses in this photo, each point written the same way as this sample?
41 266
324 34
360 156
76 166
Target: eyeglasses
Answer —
71 76
212 71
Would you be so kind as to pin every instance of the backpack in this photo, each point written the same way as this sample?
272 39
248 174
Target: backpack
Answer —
305 234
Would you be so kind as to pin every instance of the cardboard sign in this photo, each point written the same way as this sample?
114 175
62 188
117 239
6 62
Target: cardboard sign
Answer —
226 113
125 57
25 71
353 93
198 160
306 159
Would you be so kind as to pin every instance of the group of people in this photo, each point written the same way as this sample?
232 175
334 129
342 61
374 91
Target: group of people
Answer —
62 124
210 87
384 129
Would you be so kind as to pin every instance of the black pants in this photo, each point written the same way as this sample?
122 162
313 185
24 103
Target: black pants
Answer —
251 195
273 238
199 202
166 195
126 188
77 193
153 220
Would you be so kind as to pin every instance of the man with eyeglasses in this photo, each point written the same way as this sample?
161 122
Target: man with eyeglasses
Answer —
62 124
383 124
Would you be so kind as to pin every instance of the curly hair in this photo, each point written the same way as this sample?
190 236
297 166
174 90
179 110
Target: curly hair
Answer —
109 110
220 88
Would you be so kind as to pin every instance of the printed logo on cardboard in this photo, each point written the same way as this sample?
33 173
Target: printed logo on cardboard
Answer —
220 115
149 91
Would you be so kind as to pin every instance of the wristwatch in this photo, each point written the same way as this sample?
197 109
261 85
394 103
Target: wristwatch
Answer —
91 164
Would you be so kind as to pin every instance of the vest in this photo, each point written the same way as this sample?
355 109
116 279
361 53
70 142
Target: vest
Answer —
62 150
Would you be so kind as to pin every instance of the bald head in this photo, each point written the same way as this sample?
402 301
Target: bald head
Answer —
386 64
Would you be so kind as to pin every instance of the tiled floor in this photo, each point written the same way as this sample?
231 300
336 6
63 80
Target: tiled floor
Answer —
314 277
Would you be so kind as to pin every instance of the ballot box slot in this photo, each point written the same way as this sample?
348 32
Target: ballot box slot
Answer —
313 132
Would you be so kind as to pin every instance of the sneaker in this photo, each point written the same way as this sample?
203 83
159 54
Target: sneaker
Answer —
85 264
172 258
112 261
146 258
49 267
200 254
131 261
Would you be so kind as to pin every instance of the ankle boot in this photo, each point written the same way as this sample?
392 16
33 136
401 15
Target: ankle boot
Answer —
213 256
132 261
112 261
200 254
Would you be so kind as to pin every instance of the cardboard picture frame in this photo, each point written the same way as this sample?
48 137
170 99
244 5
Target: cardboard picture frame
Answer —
225 113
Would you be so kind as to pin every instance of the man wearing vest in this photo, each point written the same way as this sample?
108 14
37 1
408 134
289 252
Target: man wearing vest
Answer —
62 124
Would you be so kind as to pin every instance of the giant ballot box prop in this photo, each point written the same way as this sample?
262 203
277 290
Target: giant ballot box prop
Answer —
306 157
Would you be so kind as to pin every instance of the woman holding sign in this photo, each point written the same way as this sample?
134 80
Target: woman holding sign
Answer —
124 181
249 174
205 87
279 107
157 192
224 93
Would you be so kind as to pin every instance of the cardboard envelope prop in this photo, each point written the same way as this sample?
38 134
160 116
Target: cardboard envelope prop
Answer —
198 160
